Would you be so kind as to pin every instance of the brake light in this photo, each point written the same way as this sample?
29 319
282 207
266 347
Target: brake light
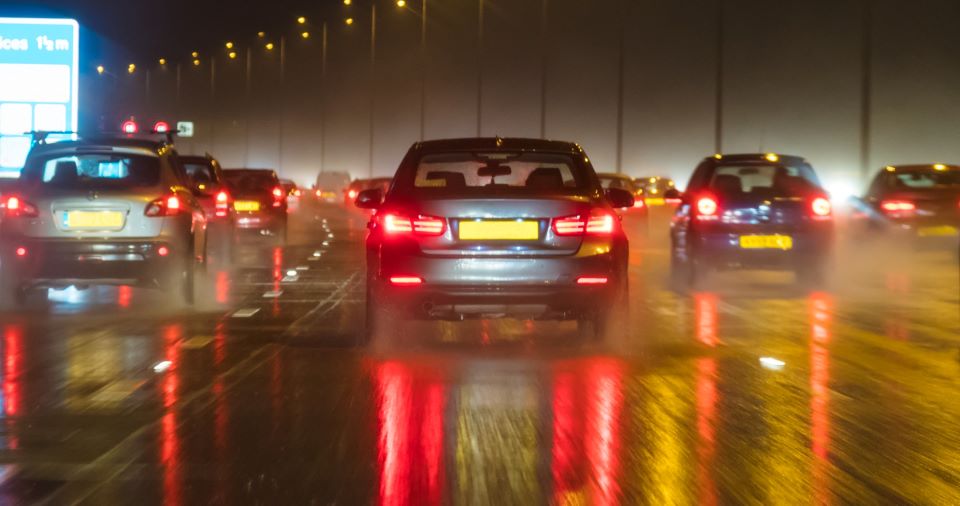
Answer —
164 206
21 252
707 208
898 206
278 192
163 251
821 208
20 208
599 222
296 193
638 203
421 225
405 280
318 193
352 194
592 280
223 204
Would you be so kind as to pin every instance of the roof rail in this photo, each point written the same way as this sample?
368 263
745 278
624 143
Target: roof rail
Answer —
40 136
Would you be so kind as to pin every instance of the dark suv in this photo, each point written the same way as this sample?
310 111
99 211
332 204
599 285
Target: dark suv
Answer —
211 191
259 201
101 211
491 227
763 211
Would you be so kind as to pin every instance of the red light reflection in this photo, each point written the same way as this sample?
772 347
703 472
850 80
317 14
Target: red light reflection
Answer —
169 439
821 307
706 428
410 439
705 312
277 277
602 438
124 294
222 287
12 360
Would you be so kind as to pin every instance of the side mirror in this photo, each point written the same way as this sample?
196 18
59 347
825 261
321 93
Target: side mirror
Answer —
673 194
369 199
619 197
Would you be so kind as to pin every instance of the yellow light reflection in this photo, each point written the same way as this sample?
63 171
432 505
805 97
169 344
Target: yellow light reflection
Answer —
890 168
939 166
772 157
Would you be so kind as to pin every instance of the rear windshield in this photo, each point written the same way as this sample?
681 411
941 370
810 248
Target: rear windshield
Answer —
94 170
484 174
251 181
933 179
763 180
618 183
200 173
657 185
332 180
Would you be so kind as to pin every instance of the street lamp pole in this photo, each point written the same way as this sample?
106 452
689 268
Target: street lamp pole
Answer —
866 91
479 66
323 96
620 85
718 104
373 77
423 70
283 65
543 67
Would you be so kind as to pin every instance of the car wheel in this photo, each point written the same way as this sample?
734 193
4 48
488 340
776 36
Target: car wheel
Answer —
609 322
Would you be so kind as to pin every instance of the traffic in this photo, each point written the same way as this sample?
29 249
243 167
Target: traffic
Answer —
414 252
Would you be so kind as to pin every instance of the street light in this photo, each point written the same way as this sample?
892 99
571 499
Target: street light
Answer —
196 63
232 55
100 69
131 68
194 54
401 3
261 34
305 35
229 45
301 20
347 2
269 46
163 61
348 21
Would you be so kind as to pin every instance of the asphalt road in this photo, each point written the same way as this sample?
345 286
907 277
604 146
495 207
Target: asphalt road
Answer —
751 390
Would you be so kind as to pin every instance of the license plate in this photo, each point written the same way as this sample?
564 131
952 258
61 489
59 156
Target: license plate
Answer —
246 205
496 230
99 220
941 231
655 202
782 242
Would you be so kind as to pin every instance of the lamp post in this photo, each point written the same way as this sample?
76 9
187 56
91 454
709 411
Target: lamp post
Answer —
479 66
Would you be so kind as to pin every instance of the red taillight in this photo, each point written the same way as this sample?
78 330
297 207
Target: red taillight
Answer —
223 204
638 202
163 251
821 208
296 193
571 225
352 194
21 251
421 225
405 280
599 222
318 193
16 207
278 192
898 206
592 280
164 206
707 208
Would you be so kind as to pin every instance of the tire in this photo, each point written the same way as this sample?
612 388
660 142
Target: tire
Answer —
608 323
179 280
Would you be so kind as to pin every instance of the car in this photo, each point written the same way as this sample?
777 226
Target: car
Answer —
101 211
259 201
624 182
210 188
358 185
751 211
496 227
918 202
331 185
654 188
293 193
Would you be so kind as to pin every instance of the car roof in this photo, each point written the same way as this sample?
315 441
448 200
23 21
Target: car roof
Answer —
250 171
195 158
498 144
613 175
99 143
755 157
921 167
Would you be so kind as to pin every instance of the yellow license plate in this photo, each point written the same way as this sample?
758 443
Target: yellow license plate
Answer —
655 202
246 205
941 231
495 230
783 242
93 219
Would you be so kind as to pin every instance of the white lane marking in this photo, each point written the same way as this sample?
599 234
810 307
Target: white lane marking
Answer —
289 279
246 312
303 268
272 294
115 391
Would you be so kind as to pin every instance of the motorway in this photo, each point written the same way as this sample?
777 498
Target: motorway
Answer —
751 390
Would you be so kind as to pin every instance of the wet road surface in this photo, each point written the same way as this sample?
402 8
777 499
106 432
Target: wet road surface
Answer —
751 390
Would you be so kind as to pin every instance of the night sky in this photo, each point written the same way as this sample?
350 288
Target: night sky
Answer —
792 76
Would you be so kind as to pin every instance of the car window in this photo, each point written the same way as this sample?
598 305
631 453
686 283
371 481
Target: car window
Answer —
480 173
94 170
250 181
762 179
618 183
200 173
919 180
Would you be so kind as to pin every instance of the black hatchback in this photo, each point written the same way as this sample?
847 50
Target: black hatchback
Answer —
751 211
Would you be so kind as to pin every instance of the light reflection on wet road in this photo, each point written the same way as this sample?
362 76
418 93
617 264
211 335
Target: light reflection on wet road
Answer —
259 396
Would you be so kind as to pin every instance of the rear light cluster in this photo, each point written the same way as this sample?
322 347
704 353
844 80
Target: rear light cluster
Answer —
277 196
164 206
15 207
405 280
429 226
821 208
222 204
707 208
898 207
599 223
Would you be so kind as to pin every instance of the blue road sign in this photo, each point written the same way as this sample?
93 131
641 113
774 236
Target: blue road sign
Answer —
38 83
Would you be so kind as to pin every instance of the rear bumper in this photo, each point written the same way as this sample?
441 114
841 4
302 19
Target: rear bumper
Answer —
259 221
723 250
54 262
458 288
